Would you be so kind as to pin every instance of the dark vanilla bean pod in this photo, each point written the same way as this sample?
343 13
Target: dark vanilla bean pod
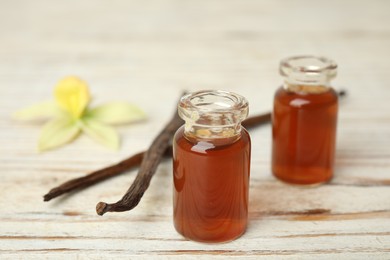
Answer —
95 177
99 175
256 120
150 161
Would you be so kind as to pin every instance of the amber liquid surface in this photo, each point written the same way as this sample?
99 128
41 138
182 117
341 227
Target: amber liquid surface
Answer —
304 136
211 183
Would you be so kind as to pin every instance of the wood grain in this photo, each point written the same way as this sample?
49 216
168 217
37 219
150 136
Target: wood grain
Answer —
147 52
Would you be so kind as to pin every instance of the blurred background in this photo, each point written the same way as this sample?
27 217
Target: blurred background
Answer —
140 49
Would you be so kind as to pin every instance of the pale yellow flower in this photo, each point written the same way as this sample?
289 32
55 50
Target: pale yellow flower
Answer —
69 115
72 95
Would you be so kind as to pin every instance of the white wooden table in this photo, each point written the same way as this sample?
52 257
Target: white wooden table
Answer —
146 52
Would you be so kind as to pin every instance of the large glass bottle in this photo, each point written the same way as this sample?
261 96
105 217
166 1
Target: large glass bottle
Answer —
304 121
211 164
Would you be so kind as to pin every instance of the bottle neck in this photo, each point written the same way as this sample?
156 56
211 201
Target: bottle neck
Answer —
213 114
211 131
304 88
307 74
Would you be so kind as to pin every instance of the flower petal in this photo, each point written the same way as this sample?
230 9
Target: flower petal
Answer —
100 132
72 95
38 111
58 132
116 113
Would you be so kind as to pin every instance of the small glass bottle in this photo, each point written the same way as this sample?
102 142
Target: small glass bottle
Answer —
211 164
304 121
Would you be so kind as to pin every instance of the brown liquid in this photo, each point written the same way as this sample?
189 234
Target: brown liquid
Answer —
211 183
304 136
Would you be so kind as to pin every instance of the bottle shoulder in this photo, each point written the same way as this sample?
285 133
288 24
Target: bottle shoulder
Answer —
184 142
293 99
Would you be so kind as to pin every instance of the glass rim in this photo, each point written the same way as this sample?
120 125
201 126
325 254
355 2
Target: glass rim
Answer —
288 63
195 101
